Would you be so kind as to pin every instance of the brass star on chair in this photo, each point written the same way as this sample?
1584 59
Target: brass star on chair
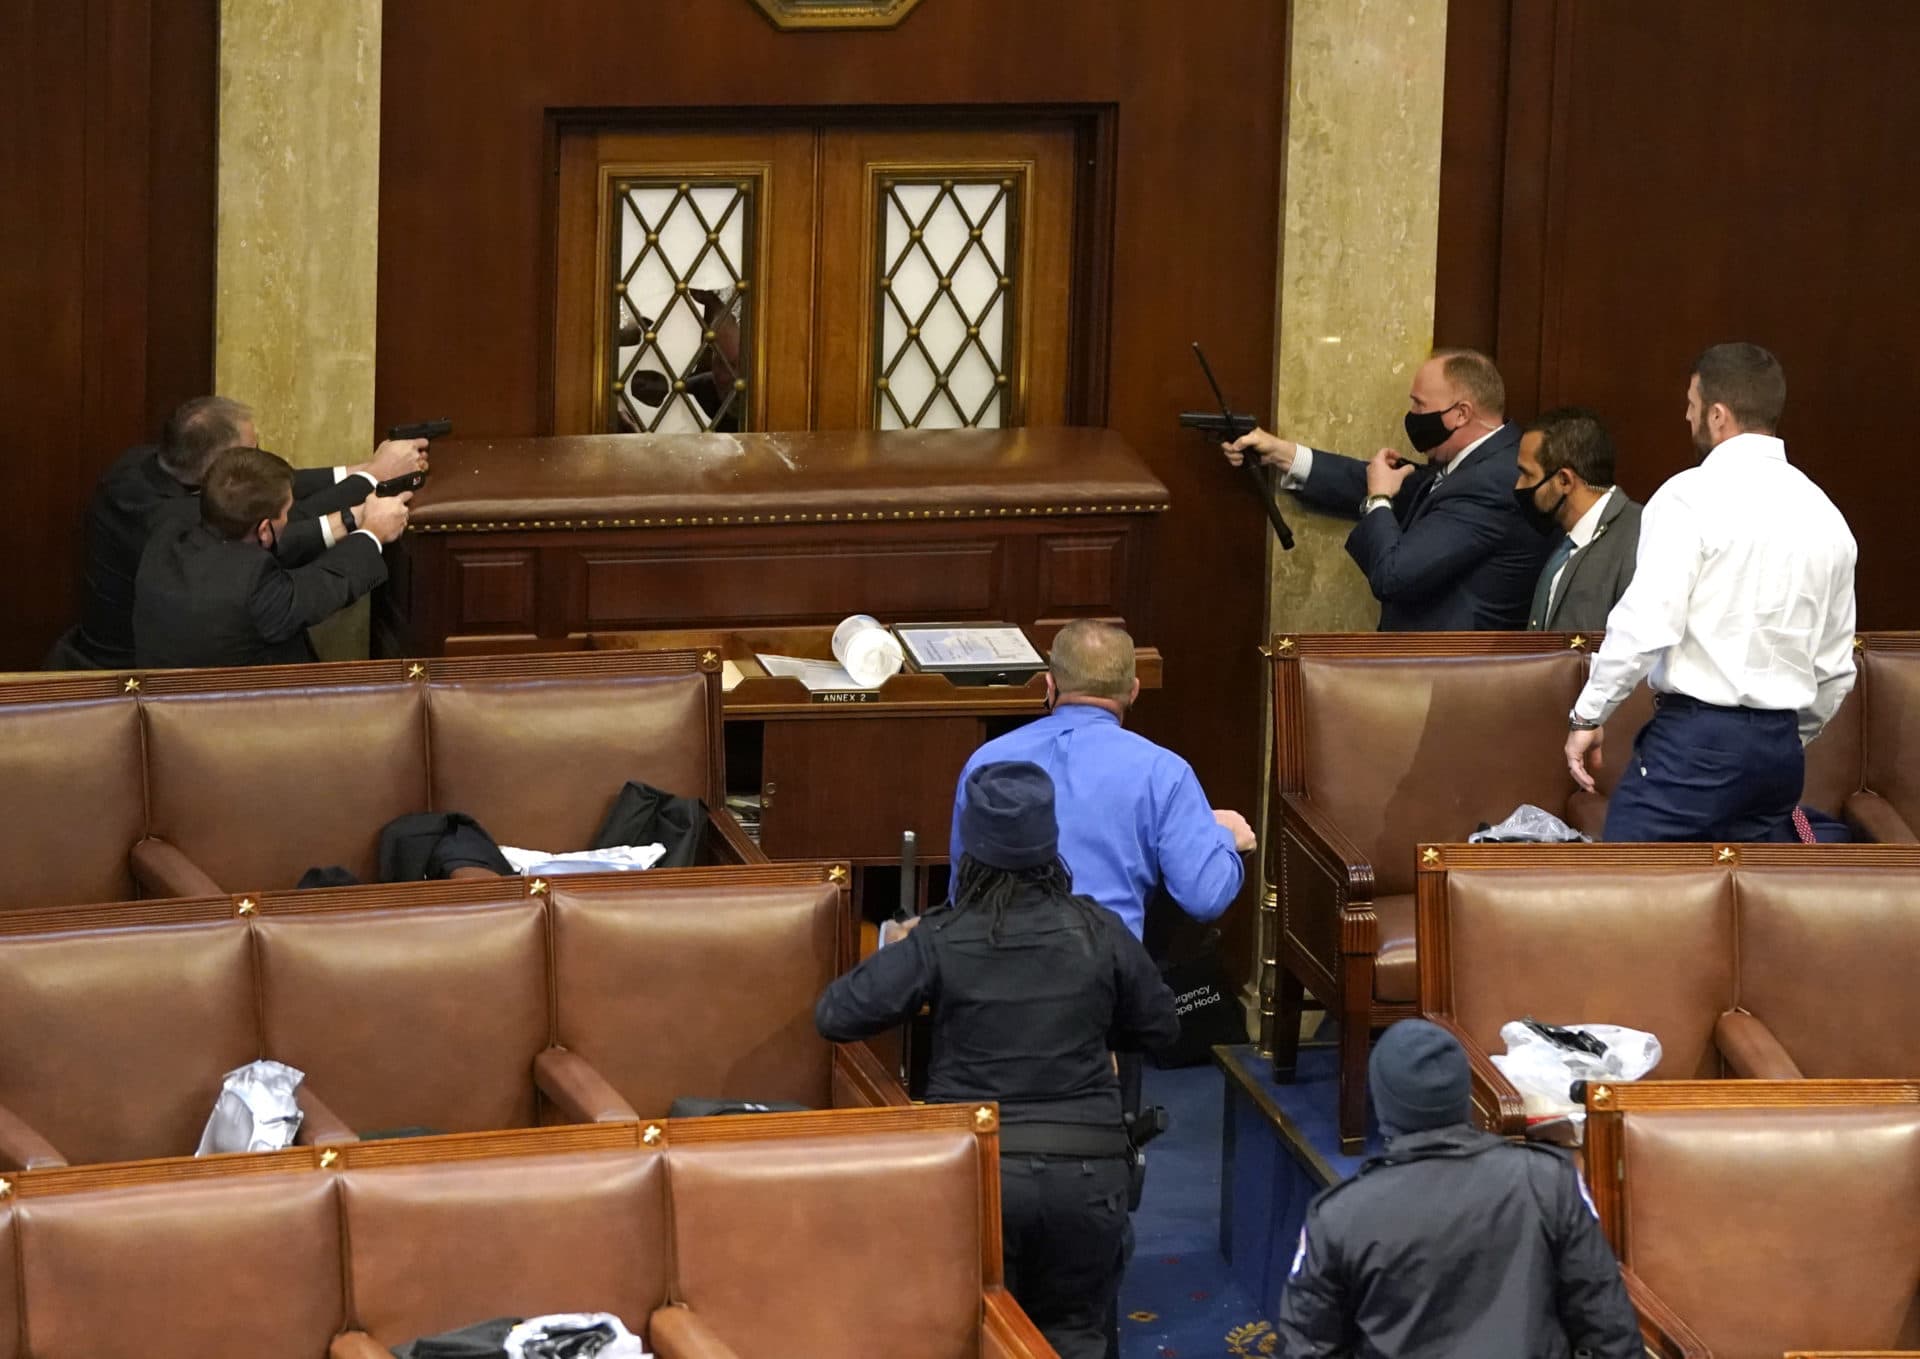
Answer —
537 888
709 659
416 671
1576 643
6 1188
329 1159
652 1134
246 907
837 874
1429 855
1728 854
1283 645
983 1117
132 685
1859 643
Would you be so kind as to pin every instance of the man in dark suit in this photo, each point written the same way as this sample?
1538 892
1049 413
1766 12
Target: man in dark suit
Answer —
1566 491
216 592
152 483
1443 544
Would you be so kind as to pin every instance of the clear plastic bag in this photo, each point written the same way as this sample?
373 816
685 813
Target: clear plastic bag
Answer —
578 1335
1529 824
257 1110
1544 1072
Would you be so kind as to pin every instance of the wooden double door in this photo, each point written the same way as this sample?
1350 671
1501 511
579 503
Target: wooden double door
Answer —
817 276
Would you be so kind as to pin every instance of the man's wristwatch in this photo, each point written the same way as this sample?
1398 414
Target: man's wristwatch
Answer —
1575 722
1367 505
347 521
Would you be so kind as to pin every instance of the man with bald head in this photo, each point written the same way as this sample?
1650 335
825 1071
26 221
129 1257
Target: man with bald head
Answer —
1132 815
1443 545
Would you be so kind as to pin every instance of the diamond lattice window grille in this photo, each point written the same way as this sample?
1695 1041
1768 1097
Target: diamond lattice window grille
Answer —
947 285
681 345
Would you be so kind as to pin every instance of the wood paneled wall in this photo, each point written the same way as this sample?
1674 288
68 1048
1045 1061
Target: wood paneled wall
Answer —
106 266
470 93
1628 181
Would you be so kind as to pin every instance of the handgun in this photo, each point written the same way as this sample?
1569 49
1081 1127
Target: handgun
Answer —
421 429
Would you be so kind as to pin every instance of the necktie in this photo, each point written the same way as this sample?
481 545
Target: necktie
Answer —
1543 592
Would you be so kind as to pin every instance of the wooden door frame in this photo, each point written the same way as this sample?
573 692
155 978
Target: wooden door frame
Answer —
1095 136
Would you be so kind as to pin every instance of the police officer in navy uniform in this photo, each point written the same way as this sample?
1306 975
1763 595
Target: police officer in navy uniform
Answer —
1453 1243
1031 990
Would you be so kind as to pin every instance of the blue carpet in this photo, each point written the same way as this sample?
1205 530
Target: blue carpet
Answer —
1179 1301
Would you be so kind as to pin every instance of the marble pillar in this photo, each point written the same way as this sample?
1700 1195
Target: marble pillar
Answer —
298 248
1359 213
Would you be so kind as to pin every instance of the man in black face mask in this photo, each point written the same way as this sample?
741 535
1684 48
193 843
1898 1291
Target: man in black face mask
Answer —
213 591
1566 491
1443 545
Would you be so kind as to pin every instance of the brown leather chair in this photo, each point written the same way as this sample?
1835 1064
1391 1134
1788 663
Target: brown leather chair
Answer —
197 1267
718 1238
9 1287
1751 1217
1775 961
1649 949
561 1232
649 991
113 1041
410 1018
824 1245
1384 740
199 782
1887 807
72 790
1826 954
425 1005
1381 743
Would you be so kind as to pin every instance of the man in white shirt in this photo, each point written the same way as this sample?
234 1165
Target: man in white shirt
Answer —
1566 491
1742 609
1442 543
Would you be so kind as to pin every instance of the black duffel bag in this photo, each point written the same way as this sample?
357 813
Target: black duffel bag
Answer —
1203 997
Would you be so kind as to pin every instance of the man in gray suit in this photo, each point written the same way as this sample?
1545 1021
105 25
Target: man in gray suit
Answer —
1565 490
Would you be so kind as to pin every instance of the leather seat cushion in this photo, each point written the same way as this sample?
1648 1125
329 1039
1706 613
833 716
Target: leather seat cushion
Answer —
1396 963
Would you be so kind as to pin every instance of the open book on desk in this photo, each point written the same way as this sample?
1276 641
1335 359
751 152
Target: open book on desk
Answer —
818 676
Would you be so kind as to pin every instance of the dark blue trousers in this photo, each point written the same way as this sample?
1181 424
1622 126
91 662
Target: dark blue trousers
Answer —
1698 772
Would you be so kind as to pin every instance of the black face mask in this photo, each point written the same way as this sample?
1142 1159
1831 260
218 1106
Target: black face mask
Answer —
1546 523
1427 430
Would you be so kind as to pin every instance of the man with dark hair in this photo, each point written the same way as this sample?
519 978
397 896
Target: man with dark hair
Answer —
154 482
1443 545
214 592
1029 987
1740 615
1566 492
1132 815
1454 1243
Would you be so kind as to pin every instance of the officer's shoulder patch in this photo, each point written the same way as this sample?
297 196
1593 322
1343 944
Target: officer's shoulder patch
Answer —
1570 1166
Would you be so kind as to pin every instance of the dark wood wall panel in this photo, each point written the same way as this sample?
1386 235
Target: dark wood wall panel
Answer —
1195 90
106 265
1676 175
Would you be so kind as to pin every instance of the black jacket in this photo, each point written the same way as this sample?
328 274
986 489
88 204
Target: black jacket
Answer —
200 600
1457 557
1025 1010
130 499
1456 1244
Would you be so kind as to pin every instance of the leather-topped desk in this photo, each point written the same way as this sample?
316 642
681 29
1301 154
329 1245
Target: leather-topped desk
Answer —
517 540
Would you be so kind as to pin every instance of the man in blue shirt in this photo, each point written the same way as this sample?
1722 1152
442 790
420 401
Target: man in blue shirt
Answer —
1131 813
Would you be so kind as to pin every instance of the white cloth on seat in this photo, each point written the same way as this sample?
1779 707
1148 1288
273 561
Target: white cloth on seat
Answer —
523 1341
613 859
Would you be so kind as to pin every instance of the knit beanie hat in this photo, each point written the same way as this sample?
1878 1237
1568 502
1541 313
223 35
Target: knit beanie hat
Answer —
1419 1079
1008 819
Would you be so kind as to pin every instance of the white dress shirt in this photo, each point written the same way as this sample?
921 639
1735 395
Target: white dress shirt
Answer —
1742 594
1302 465
340 474
1581 533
